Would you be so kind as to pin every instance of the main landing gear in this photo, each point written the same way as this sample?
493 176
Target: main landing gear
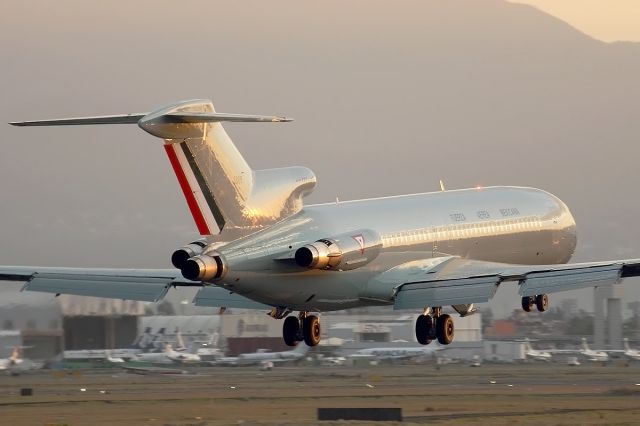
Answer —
433 324
541 301
305 328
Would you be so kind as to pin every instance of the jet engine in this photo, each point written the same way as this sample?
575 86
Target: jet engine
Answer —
346 251
181 255
204 267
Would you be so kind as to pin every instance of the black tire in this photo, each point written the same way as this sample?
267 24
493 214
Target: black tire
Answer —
311 330
527 303
291 331
542 302
424 324
445 329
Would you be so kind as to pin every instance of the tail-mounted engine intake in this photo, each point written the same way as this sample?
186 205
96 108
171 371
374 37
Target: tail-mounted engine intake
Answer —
181 255
204 267
343 252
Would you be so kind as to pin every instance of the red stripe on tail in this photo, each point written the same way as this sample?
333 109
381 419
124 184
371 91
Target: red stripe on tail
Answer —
186 190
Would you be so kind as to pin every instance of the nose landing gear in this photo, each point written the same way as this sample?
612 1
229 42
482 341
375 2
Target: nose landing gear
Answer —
303 328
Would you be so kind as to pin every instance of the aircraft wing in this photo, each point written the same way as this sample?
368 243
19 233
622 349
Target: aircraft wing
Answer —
148 285
455 281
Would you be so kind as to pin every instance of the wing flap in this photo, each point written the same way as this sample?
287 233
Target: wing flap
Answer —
220 298
149 289
569 279
452 280
148 285
447 292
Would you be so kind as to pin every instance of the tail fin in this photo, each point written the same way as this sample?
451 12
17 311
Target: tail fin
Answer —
220 188
180 341
626 344
15 354
585 346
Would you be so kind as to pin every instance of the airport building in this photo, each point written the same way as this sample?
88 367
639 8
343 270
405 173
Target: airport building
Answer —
47 325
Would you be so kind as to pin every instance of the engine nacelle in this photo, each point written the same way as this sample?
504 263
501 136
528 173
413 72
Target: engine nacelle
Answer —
181 255
343 252
204 267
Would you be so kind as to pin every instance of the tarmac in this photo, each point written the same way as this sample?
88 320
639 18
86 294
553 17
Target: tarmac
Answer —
451 394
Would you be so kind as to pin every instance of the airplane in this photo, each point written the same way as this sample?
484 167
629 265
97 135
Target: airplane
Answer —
632 354
333 360
398 353
108 355
263 248
146 342
604 354
535 354
168 356
6 364
593 355
262 357
15 364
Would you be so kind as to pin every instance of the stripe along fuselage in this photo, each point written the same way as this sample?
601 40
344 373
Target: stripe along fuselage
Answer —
498 224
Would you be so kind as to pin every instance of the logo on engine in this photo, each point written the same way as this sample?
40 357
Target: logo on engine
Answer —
360 240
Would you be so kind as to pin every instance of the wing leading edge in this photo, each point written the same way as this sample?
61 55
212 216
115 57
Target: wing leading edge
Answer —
452 280
147 285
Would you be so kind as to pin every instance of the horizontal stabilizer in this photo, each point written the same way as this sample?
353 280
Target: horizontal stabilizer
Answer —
214 117
171 118
82 121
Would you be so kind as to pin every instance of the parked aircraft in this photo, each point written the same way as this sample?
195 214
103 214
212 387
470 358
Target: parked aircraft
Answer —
263 357
604 354
535 354
168 356
262 248
14 360
15 364
632 354
593 355
398 353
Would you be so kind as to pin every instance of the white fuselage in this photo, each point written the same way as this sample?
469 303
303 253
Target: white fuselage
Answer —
497 224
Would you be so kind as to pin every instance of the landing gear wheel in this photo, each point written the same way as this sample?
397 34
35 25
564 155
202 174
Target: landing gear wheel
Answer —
527 303
424 326
311 330
291 331
444 329
542 302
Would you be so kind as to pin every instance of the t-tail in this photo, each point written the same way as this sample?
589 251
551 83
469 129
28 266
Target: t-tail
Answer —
585 345
15 355
221 190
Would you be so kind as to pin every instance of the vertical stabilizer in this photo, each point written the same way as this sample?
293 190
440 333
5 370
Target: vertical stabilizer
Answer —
214 177
221 190
585 346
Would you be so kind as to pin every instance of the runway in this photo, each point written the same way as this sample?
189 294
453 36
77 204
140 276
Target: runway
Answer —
444 395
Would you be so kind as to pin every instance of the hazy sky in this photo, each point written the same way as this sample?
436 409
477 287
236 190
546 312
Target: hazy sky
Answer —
388 98
606 20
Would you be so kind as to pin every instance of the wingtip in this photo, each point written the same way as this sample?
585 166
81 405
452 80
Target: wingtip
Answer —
282 119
